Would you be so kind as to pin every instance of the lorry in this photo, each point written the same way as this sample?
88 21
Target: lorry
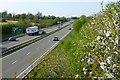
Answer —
32 30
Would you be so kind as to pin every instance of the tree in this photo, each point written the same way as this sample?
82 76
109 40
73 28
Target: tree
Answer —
17 16
52 17
38 15
4 14
83 19
74 17
36 20
30 16
77 25
23 16
9 15
63 19
24 24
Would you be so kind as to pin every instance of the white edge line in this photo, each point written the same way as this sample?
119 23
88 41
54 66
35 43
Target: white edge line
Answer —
40 57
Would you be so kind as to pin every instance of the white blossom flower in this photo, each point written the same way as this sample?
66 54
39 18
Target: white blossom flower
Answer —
103 42
109 75
82 59
116 40
107 34
90 61
90 73
84 72
98 38
89 54
92 23
76 76
103 65
116 52
84 69
108 48
109 59
116 22
105 31
114 65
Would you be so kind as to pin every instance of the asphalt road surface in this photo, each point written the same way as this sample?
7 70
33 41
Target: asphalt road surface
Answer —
7 44
15 63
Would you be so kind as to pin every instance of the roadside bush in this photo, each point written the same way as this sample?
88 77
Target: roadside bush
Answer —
7 28
24 24
79 23
104 49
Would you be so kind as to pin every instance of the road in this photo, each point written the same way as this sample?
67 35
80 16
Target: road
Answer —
5 45
17 62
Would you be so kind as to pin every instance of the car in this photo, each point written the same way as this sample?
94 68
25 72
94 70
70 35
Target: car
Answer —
12 39
55 39
70 29
43 32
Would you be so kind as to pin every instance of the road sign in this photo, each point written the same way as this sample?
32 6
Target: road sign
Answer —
17 29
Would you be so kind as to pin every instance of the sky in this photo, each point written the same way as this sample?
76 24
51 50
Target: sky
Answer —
65 8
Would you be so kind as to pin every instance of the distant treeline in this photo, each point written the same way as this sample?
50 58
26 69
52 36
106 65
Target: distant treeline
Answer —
32 19
30 16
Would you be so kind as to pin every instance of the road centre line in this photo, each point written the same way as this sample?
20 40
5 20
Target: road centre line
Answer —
14 62
28 53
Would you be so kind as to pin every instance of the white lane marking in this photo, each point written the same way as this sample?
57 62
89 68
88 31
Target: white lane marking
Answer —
54 45
14 62
29 67
28 53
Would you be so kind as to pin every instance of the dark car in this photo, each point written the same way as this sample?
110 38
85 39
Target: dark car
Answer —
12 39
43 32
55 39
70 28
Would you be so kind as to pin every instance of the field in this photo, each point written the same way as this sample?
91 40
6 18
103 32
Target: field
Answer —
9 22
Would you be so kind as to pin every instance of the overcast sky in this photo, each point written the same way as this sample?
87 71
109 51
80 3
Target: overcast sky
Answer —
66 8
